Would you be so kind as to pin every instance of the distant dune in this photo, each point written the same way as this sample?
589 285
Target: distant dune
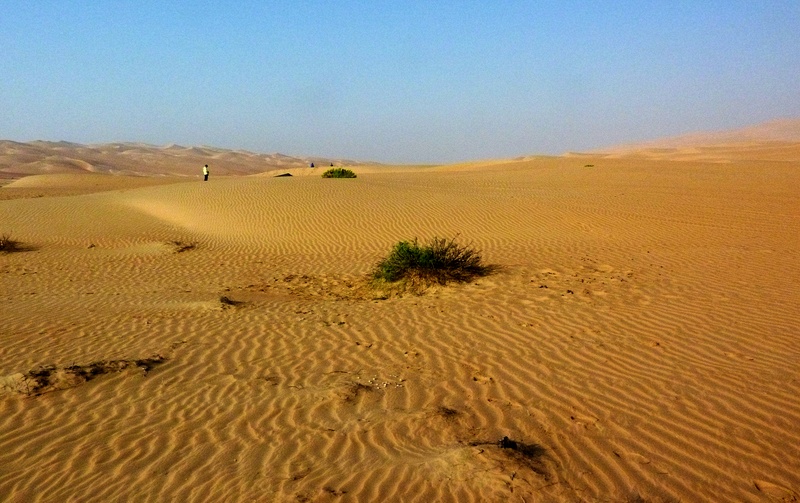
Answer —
777 140
774 140
134 159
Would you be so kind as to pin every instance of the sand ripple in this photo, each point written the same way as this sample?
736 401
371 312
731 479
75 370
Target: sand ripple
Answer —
641 333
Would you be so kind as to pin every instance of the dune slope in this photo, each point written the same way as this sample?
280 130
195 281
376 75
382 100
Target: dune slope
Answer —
216 341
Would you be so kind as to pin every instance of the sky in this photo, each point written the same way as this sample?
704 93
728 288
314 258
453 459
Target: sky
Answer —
402 81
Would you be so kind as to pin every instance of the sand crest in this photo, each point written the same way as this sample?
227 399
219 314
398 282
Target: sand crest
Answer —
639 342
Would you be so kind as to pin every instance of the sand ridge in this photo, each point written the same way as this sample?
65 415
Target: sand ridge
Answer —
776 140
639 337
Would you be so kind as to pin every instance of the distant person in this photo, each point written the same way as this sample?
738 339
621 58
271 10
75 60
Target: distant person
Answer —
312 164
205 173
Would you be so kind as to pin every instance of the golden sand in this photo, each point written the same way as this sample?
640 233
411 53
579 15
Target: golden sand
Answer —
640 339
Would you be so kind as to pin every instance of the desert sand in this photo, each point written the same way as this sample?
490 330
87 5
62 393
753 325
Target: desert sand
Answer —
166 339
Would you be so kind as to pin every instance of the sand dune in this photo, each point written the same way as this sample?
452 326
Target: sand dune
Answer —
639 341
136 159
777 140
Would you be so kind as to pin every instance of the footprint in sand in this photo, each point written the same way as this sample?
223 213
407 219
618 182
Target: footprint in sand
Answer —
637 458
483 379
585 422
776 492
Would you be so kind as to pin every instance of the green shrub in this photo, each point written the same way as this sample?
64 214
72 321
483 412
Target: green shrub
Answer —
440 261
338 173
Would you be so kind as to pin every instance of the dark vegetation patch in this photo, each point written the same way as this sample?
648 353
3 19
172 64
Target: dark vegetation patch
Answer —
47 378
525 454
354 390
8 244
409 268
447 412
439 261
181 247
338 173
334 492
528 451
227 301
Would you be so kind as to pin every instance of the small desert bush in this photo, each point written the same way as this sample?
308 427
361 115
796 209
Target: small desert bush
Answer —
439 261
8 245
338 173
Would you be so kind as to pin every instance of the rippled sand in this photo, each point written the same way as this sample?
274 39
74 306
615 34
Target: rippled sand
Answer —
638 343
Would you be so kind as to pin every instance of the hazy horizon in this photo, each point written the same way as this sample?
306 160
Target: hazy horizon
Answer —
410 83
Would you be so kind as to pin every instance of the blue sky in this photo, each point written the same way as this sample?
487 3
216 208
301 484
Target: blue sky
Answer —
403 81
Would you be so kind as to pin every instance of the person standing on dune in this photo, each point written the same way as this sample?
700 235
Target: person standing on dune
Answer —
205 173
